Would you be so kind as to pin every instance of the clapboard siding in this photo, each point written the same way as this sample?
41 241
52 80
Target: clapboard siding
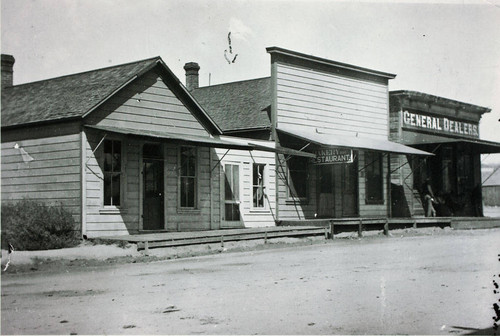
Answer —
330 102
154 108
250 216
53 177
99 219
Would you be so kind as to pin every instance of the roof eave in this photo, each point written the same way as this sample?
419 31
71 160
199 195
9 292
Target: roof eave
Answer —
295 54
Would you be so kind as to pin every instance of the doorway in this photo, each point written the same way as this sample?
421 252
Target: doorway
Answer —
337 190
153 217
231 214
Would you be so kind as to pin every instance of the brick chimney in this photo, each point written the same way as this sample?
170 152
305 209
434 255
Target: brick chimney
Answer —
192 81
7 70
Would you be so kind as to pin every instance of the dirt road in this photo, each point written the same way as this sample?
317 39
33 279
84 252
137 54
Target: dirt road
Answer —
440 284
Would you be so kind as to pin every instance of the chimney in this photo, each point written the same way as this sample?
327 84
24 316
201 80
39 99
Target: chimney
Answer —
7 70
192 81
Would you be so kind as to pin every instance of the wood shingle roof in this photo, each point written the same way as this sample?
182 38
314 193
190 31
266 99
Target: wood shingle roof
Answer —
237 106
66 97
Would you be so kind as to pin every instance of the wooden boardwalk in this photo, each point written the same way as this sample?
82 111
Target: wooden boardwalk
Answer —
168 239
310 227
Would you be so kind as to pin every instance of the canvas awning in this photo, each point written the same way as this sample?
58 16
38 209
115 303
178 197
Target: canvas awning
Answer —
189 139
226 142
477 145
351 142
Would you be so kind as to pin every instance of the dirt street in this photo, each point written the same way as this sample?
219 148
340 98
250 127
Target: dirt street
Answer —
439 284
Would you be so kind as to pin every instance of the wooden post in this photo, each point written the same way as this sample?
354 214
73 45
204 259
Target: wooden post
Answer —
360 228
326 232
265 237
146 248
386 227
414 223
332 227
222 241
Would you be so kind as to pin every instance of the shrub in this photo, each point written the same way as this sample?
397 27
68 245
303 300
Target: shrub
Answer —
30 225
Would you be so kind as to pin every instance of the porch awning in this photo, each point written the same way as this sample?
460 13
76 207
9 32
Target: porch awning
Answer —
351 142
204 141
226 142
478 146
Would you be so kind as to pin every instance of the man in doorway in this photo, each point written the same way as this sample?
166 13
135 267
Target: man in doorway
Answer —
429 199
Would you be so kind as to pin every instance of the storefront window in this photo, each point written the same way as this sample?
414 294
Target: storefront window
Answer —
112 168
188 161
297 177
374 178
258 185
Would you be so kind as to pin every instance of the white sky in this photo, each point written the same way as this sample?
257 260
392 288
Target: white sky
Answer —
449 49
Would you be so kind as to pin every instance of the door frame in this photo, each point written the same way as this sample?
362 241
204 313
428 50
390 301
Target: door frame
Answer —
223 223
141 183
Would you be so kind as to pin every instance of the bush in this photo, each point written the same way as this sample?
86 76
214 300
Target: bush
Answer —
30 225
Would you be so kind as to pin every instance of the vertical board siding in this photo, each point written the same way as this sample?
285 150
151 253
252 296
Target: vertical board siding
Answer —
53 177
331 102
250 216
148 104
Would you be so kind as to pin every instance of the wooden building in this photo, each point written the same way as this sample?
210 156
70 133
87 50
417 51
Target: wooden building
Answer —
450 130
125 149
330 124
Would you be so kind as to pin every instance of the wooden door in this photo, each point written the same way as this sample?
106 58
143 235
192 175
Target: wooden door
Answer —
350 189
231 211
153 187
326 192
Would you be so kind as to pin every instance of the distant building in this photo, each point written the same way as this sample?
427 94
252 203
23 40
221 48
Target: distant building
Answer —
491 185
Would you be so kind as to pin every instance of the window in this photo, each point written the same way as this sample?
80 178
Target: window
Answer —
374 178
112 168
297 177
232 192
188 177
258 185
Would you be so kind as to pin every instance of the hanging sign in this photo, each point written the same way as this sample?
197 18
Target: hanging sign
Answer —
332 156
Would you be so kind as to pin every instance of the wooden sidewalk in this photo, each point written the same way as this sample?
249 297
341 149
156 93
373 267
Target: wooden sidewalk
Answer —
168 239
309 227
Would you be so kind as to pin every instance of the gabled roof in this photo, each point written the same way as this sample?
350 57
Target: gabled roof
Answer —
76 95
237 106
67 96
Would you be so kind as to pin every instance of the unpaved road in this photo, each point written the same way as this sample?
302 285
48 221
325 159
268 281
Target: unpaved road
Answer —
440 284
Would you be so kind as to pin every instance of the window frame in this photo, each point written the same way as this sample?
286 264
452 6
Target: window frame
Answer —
180 178
290 192
369 164
122 174
264 186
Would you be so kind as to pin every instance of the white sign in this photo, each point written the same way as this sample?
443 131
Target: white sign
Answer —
333 156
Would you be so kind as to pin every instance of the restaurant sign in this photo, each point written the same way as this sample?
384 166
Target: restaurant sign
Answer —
440 125
332 156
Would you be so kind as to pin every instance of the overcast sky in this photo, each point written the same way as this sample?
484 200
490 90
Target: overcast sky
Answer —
449 49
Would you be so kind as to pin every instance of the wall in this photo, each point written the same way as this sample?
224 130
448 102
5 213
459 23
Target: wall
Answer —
251 217
331 102
53 177
147 104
